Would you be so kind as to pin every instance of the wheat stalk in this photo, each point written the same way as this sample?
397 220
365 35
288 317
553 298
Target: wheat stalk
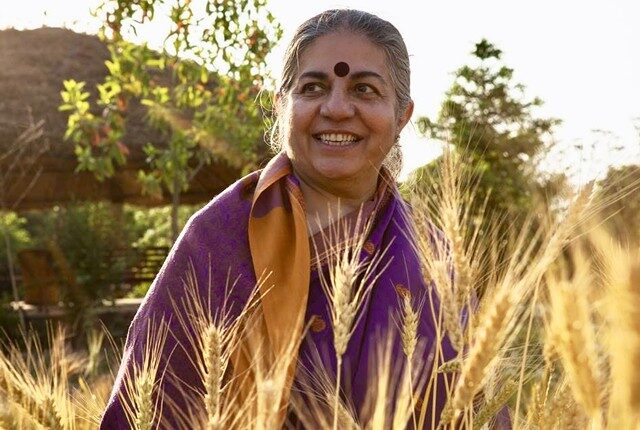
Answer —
409 320
90 399
313 401
95 340
623 301
272 381
438 271
573 338
211 327
268 402
486 344
349 282
454 261
451 312
141 396
451 366
35 383
493 405
540 391
390 402
213 358
456 196
565 413
145 408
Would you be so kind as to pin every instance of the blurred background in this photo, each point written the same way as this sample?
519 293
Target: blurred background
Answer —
119 119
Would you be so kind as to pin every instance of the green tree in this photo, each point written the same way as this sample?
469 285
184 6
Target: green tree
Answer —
618 194
490 122
200 90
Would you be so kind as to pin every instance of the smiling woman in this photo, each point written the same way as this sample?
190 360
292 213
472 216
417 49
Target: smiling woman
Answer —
322 236
343 121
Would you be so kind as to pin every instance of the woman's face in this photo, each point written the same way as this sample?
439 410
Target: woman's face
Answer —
341 126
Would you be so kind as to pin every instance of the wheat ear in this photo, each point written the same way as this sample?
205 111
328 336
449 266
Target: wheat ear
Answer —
349 282
572 335
624 338
142 397
486 344
214 362
493 406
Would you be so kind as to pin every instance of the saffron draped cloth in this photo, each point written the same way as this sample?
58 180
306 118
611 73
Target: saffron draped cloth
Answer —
257 230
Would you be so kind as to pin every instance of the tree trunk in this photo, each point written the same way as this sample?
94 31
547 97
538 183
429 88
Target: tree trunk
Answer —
12 277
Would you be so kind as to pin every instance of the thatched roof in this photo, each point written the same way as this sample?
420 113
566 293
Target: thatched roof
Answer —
33 65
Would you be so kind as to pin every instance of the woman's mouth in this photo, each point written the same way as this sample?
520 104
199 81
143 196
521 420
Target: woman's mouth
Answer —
337 139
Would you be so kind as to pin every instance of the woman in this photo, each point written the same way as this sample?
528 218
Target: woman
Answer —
343 101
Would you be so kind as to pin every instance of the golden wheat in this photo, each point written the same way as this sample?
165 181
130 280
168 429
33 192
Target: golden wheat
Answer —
573 337
623 305
484 349
142 395
587 378
349 282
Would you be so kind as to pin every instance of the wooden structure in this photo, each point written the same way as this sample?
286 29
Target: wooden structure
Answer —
33 66
45 273
42 283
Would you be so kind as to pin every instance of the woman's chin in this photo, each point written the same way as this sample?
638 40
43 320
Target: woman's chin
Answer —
336 173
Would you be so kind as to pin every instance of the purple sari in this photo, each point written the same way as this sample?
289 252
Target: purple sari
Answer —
215 243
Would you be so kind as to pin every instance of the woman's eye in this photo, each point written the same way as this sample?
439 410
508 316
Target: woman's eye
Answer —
311 88
364 89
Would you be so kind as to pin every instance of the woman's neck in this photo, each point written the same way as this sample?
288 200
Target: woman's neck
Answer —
323 206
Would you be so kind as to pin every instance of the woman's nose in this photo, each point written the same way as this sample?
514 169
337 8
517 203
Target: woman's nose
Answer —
337 105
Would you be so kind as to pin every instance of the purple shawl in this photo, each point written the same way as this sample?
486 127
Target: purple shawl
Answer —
217 237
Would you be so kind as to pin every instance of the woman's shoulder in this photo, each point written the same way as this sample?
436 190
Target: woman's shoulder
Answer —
230 206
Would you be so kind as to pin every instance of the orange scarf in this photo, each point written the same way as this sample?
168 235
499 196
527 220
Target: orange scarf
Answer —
281 255
279 246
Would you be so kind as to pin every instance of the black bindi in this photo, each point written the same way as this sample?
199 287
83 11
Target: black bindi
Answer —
341 69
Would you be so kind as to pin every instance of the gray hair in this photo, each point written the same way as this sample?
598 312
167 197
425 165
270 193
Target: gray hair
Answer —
379 32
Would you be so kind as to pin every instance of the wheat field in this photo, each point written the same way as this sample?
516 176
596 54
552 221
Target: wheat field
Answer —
552 338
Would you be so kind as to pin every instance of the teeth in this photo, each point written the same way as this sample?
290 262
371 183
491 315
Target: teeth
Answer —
337 138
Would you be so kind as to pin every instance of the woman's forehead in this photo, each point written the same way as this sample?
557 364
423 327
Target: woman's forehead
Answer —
342 53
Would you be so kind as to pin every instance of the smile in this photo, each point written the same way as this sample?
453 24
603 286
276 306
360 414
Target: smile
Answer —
337 139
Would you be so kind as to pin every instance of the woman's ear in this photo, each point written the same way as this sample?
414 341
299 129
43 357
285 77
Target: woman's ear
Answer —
277 103
405 116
